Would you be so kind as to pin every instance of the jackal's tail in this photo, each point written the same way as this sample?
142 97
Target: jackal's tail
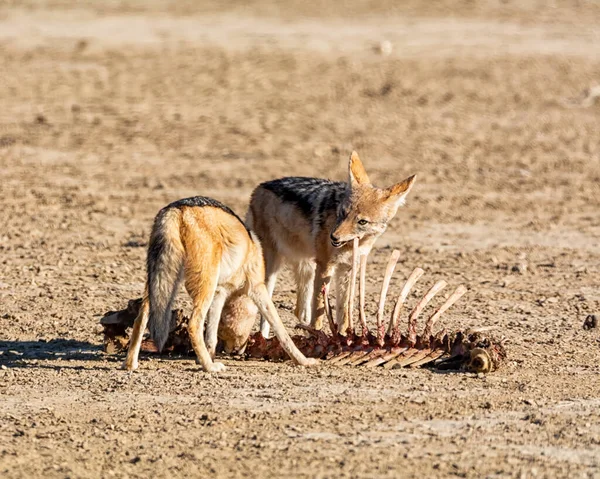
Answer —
165 272
249 219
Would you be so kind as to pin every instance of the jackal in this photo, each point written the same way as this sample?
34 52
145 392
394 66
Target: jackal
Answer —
202 242
311 223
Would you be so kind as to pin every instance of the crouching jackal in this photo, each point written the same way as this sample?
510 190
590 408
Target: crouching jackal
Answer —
311 223
203 243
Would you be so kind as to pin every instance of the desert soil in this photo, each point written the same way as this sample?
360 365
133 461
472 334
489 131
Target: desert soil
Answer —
110 110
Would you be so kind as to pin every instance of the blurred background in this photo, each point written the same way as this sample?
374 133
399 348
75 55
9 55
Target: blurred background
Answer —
127 105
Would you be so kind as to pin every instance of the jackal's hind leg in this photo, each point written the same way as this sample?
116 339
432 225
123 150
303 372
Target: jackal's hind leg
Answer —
139 326
213 319
202 288
322 277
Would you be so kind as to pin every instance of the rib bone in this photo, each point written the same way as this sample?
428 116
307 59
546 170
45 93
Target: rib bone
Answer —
410 282
454 297
338 358
432 356
401 359
385 358
389 270
325 293
361 294
355 356
412 318
351 297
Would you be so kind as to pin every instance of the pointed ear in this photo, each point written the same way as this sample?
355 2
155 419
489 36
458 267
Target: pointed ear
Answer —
356 171
398 192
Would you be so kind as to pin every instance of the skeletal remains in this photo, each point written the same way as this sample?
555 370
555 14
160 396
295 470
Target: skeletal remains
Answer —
470 350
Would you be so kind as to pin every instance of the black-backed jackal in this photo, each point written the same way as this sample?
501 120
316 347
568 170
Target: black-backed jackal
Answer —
203 243
310 223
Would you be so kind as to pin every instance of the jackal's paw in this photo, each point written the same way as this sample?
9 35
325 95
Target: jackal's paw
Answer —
216 368
129 367
309 362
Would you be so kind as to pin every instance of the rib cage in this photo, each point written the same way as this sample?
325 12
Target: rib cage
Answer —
389 347
386 347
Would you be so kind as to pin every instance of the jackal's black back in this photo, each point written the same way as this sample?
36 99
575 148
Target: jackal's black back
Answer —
200 201
312 196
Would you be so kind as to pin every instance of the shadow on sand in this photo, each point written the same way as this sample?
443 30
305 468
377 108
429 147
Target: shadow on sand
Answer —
22 354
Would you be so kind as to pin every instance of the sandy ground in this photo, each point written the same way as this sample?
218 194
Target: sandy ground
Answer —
110 110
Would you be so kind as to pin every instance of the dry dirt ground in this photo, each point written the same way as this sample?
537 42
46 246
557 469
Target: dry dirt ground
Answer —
110 110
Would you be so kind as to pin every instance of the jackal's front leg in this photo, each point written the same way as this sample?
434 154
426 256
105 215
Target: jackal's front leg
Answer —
260 296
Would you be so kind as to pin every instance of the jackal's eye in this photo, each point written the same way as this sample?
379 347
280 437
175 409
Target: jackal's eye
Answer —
363 222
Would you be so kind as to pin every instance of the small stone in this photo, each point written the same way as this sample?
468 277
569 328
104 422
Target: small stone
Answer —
520 268
384 48
591 322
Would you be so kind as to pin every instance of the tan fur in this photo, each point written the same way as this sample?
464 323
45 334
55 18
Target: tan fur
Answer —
287 235
219 259
167 279
237 320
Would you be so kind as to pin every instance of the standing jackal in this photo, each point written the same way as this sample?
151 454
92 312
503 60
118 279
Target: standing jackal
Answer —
311 224
202 242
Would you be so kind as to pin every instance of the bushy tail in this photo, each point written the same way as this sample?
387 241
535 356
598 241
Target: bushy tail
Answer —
165 272
249 219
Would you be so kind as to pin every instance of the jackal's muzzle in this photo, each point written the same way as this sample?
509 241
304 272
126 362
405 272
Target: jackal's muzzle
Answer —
335 242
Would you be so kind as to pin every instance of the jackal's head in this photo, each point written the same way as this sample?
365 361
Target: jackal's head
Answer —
366 210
